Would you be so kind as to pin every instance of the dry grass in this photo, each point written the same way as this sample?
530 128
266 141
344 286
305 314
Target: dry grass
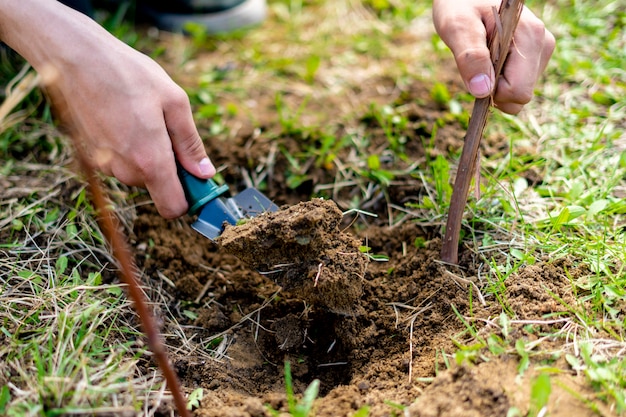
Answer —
69 343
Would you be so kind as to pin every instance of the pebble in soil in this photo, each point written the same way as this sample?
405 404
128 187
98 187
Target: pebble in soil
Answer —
302 249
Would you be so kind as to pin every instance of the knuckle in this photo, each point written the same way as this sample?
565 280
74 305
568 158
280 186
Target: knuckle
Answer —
525 97
514 96
144 164
193 143
534 28
177 97
473 54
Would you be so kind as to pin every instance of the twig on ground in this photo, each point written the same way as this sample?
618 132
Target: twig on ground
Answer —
468 282
499 44
16 91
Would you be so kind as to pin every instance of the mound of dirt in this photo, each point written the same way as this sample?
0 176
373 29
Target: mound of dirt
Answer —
303 250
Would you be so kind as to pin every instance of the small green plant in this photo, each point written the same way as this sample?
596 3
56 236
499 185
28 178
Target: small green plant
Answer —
193 401
393 124
440 94
605 374
540 391
362 412
374 257
396 408
304 406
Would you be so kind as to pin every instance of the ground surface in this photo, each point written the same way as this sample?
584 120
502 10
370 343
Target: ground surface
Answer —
390 341
380 333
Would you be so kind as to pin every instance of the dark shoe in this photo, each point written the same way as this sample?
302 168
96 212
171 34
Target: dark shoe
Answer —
83 6
215 16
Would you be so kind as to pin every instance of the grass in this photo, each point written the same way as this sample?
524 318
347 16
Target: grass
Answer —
69 343
298 407
68 346
577 123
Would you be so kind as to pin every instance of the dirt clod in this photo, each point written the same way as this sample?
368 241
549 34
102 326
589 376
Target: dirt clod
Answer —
303 250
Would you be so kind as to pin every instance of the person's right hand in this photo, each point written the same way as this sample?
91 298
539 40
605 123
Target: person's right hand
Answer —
464 25
132 119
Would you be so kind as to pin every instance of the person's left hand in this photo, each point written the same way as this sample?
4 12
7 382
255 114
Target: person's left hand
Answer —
465 25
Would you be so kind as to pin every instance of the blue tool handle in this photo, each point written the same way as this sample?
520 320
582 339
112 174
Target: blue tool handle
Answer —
198 191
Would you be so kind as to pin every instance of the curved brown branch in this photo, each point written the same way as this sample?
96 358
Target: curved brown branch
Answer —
121 252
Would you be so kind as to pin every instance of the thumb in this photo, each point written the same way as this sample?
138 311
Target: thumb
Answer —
463 30
186 142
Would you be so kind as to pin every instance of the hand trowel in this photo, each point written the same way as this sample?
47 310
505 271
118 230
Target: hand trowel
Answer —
205 198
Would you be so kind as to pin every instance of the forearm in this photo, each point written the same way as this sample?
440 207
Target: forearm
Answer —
46 32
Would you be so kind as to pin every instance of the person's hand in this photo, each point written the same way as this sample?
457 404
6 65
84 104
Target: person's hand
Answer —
464 26
131 118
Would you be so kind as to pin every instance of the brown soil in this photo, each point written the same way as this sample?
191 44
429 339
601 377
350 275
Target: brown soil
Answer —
374 333
383 353
302 249
294 285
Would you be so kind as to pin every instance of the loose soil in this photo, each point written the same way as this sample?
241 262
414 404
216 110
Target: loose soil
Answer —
302 249
296 286
383 353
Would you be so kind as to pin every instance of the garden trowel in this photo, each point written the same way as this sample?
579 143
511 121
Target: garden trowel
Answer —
205 199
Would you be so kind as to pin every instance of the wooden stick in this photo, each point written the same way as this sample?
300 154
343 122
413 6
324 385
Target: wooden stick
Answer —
506 22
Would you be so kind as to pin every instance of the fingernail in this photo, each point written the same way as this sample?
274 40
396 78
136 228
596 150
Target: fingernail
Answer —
480 85
206 167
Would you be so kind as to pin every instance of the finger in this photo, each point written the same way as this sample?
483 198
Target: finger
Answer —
530 51
165 189
463 30
155 170
186 141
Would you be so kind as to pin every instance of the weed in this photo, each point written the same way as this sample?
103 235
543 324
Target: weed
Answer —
193 401
302 407
374 257
540 391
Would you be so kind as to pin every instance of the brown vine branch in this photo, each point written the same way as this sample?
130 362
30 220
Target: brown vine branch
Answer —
110 228
506 22
121 252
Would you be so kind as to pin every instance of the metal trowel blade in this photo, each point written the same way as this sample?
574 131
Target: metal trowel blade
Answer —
213 216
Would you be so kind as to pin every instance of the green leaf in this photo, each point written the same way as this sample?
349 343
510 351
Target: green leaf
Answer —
17 224
574 362
5 398
52 215
539 394
190 314
504 324
312 65
575 211
114 291
561 219
304 407
193 401
94 278
61 265
524 362
373 162
596 207
440 93
518 254
362 412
